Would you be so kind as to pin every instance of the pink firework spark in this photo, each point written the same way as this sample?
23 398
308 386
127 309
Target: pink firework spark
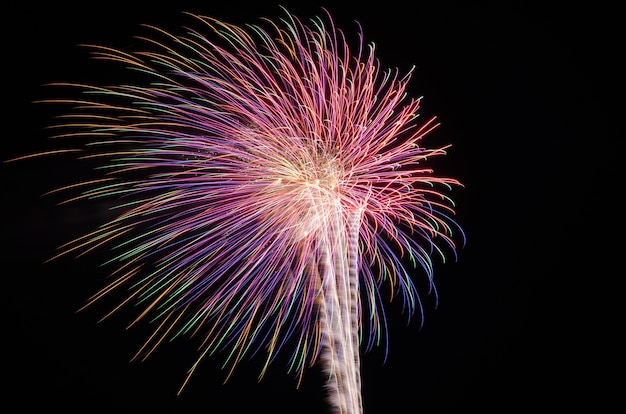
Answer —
267 184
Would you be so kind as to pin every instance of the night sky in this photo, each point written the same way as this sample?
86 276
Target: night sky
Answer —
521 325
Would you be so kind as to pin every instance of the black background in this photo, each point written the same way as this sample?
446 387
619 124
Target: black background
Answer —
525 94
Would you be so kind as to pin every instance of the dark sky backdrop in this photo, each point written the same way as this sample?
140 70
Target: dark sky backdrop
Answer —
520 90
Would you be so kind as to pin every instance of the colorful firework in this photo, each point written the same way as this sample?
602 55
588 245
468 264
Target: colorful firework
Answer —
267 183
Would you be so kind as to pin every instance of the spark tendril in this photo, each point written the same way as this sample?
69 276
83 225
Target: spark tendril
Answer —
266 183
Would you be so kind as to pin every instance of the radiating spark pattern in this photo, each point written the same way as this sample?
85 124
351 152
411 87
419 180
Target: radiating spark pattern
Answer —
268 181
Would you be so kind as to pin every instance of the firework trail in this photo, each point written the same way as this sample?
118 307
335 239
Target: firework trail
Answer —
266 184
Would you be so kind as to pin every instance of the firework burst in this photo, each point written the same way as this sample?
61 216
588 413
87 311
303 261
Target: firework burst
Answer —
267 182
